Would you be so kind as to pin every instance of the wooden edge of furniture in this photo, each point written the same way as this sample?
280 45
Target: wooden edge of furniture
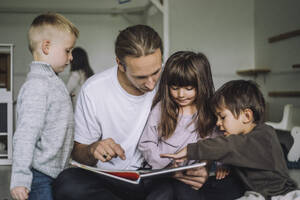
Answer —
284 94
252 72
284 36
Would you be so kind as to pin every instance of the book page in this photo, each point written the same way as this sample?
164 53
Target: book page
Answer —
170 170
124 175
132 176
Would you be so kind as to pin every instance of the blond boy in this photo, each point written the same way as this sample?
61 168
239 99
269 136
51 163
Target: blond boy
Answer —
44 132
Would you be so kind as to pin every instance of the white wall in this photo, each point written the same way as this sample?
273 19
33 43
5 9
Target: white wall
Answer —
223 30
97 36
232 33
214 27
273 18
155 20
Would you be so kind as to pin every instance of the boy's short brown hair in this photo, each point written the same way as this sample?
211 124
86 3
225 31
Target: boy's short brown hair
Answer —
44 24
238 95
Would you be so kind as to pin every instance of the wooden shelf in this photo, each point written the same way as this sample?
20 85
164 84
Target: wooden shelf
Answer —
284 94
252 72
296 66
284 36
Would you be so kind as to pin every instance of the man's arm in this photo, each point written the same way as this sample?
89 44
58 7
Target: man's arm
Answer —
81 153
103 150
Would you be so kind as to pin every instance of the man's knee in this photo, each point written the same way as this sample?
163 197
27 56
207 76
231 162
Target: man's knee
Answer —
65 187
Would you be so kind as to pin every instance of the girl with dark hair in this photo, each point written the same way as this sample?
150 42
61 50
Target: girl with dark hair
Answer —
80 72
181 114
180 111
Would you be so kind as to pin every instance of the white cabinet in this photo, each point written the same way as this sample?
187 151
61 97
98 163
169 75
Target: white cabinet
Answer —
6 103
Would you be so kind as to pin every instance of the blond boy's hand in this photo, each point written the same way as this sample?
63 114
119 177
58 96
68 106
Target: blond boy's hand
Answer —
178 157
19 193
221 173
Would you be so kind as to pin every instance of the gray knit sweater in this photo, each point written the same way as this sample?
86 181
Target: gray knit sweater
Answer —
44 135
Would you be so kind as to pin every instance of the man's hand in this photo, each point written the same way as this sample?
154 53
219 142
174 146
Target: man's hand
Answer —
19 193
106 149
195 177
178 157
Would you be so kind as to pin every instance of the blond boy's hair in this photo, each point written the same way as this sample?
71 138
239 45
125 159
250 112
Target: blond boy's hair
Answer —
45 26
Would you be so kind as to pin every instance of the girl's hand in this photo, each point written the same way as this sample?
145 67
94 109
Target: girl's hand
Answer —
19 193
221 173
178 157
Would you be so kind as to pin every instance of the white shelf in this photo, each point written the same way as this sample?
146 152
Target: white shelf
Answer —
6 97
5 161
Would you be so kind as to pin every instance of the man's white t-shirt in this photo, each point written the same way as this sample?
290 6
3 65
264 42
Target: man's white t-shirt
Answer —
105 110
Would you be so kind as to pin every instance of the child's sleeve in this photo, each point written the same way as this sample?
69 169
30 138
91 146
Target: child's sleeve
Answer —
31 112
238 150
217 164
149 144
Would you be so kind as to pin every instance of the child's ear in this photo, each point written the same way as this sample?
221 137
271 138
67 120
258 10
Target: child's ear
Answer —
247 116
46 46
120 65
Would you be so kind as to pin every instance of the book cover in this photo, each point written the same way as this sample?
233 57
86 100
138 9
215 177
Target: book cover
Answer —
134 176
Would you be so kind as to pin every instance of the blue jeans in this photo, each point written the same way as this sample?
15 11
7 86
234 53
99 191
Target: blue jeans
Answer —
41 187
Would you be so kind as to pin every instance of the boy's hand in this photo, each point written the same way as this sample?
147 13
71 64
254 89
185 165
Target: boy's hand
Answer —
221 173
19 193
178 157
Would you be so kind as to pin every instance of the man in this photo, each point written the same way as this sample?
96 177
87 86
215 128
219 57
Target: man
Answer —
111 112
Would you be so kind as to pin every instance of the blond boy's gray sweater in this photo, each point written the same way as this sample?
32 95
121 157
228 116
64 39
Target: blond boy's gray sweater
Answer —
44 134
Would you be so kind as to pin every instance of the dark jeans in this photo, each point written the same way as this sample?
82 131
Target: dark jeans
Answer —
228 188
40 186
78 184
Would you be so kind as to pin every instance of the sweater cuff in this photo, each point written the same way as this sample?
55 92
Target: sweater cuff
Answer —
192 152
21 180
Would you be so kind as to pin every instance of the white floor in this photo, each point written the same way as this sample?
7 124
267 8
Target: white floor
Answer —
5 172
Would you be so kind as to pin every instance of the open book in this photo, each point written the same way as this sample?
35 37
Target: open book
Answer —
135 176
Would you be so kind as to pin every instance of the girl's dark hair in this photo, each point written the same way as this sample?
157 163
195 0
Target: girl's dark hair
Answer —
186 68
81 62
238 95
